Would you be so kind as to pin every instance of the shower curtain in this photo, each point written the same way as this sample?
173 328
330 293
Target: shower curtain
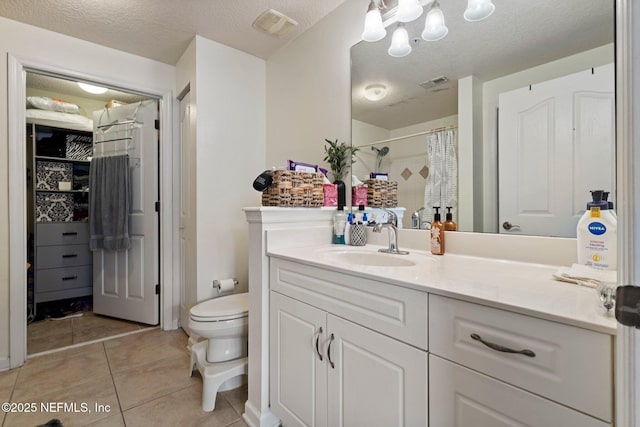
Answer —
442 182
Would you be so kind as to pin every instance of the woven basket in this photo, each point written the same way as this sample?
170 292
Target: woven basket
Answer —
296 189
382 194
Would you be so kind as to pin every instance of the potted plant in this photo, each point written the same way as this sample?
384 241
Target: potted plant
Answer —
340 157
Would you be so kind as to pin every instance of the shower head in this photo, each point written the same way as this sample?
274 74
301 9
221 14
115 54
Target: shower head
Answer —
381 152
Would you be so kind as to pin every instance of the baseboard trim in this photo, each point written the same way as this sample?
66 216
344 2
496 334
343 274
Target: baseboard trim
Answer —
255 418
5 364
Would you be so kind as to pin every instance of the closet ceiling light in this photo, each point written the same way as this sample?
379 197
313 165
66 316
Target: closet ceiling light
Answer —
92 89
410 10
375 92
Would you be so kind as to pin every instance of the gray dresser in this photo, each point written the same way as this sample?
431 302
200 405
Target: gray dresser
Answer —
63 261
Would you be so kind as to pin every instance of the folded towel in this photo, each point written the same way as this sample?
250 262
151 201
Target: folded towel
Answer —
584 275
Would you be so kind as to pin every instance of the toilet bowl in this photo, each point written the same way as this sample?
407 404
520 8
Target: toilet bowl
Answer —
222 357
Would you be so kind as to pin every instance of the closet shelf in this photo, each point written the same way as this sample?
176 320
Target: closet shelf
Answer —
61 159
40 190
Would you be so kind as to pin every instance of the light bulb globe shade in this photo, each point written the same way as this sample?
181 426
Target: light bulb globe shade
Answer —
408 10
477 10
399 43
434 27
375 92
373 28
92 89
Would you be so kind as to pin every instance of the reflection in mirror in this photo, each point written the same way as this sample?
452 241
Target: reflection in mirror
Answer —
509 120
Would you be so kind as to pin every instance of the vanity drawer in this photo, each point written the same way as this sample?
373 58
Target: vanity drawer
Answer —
461 397
395 311
569 365
62 233
63 256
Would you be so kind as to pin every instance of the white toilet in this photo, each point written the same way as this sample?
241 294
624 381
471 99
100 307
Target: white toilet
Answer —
221 358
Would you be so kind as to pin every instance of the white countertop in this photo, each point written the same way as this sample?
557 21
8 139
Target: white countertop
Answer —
515 286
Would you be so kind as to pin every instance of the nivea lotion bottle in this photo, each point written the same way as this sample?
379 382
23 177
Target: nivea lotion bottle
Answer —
597 234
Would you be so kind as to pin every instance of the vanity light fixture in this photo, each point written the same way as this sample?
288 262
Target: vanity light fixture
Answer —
434 26
477 10
92 89
373 28
410 10
400 42
375 92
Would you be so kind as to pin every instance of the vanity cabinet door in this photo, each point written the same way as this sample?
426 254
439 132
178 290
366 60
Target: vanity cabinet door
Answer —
298 383
374 380
461 397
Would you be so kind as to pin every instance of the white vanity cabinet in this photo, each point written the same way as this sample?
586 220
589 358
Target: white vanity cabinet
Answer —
497 368
328 371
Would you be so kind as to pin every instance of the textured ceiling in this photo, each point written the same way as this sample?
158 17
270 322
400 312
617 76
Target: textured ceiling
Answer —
162 29
519 35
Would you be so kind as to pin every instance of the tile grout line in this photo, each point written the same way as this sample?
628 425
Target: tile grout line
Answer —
113 381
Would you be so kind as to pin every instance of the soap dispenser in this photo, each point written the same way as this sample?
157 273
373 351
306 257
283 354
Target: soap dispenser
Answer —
449 225
339 226
437 233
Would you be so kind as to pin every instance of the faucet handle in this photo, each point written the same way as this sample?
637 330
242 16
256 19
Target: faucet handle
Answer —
392 218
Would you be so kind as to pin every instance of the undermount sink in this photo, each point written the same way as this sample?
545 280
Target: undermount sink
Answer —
374 259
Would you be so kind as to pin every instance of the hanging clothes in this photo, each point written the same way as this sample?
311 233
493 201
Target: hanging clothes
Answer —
441 188
109 201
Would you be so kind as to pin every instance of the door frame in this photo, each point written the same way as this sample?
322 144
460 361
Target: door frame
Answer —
17 68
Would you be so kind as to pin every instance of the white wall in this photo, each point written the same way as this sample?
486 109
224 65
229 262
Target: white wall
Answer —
309 88
230 144
46 47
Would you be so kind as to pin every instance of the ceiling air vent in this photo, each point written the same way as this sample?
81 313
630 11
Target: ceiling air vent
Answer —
438 81
274 23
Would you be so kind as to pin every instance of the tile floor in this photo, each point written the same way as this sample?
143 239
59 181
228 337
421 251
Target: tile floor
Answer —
52 334
142 377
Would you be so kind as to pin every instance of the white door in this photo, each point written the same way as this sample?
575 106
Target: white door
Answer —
556 142
188 285
298 383
374 380
124 282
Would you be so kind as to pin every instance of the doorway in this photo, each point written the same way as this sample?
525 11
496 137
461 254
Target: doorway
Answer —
73 293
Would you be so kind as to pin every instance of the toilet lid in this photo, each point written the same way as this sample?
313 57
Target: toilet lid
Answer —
222 308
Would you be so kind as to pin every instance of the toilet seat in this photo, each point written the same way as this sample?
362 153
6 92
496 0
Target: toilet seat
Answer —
220 309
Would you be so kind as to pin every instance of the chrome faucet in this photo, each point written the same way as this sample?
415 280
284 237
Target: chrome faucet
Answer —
392 227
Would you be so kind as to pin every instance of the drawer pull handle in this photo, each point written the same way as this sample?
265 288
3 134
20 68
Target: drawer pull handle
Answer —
498 347
70 278
70 233
70 256
329 351
317 339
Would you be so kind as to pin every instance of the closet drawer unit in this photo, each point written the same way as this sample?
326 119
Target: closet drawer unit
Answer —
63 256
62 233
395 311
461 397
569 365
58 279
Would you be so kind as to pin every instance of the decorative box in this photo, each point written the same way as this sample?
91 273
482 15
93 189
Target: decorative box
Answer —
54 207
298 189
330 195
49 174
359 195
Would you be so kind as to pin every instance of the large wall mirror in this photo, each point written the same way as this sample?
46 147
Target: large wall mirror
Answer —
510 120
